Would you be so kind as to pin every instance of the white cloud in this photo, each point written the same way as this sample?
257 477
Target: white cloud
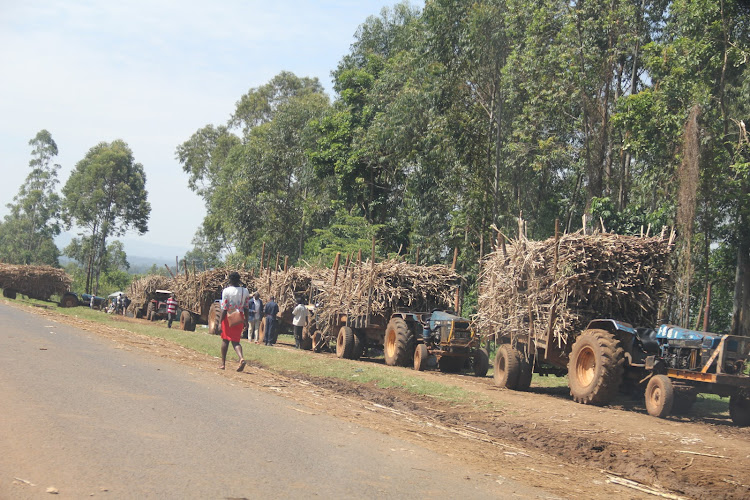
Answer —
151 73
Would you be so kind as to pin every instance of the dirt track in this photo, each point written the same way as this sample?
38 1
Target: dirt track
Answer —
541 438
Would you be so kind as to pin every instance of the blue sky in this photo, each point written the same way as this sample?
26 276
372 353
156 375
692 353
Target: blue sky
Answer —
152 73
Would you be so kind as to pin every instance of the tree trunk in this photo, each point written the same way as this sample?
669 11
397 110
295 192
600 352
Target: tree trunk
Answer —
741 309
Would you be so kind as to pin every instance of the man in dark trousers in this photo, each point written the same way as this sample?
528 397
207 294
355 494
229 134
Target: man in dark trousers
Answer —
271 310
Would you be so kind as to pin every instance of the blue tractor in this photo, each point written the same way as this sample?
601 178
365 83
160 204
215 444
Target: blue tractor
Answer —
441 336
674 363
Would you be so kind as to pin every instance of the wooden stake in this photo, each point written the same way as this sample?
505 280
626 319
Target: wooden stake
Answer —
416 259
169 271
336 267
262 256
455 258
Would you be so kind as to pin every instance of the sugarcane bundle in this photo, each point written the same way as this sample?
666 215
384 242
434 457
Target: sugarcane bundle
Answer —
385 287
555 288
289 285
196 292
37 282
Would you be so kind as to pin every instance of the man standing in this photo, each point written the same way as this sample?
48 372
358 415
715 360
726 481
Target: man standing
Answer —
256 315
171 310
271 310
299 320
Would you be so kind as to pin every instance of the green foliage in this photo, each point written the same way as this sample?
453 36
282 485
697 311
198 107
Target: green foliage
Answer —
105 195
27 233
346 234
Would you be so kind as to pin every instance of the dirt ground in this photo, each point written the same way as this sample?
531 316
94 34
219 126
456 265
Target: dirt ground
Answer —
541 438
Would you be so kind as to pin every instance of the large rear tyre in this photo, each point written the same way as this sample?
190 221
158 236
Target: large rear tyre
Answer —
9 293
507 367
659 396
139 313
420 357
214 319
739 409
345 343
69 300
595 367
187 322
399 343
481 362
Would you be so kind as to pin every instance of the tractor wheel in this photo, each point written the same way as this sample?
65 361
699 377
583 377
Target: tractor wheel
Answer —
595 368
9 293
214 319
684 399
315 341
481 362
507 367
659 396
307 331
187 322
739 408
525 372
420 357
345 343
139 313
360 341
69 300
450 364
399 343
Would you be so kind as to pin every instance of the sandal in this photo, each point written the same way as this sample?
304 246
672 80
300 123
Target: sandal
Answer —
242 365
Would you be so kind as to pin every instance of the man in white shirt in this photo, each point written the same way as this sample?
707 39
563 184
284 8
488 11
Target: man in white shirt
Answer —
299 320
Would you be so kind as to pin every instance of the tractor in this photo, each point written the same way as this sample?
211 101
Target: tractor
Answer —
670 365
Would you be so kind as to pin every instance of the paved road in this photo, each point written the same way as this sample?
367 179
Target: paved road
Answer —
82 415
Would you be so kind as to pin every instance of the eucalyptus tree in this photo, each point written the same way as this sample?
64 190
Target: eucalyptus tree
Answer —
27 233
253 172
105 196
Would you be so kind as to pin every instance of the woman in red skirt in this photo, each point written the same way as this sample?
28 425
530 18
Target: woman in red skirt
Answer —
235 299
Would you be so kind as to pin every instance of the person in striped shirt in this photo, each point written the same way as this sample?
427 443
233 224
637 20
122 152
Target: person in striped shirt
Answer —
171 310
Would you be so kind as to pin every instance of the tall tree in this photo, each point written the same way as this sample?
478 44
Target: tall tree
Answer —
27 234
105 196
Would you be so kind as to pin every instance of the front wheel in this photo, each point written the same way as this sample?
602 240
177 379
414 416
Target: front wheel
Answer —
739 409
659 396
481 362
595 368
420 357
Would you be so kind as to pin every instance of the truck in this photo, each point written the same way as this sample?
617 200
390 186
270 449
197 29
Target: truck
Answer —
669 365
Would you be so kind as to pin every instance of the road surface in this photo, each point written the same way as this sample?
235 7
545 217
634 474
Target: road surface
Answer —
86 417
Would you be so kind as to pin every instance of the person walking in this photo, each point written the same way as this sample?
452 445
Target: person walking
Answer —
271 310
171 310
256 315
300 318
235 300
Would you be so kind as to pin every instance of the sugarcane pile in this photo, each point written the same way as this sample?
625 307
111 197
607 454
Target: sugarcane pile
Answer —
395 285
287 286
37 282
593 276
196 292
143 290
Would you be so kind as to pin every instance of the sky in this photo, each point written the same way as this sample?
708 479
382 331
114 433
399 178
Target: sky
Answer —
152 73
